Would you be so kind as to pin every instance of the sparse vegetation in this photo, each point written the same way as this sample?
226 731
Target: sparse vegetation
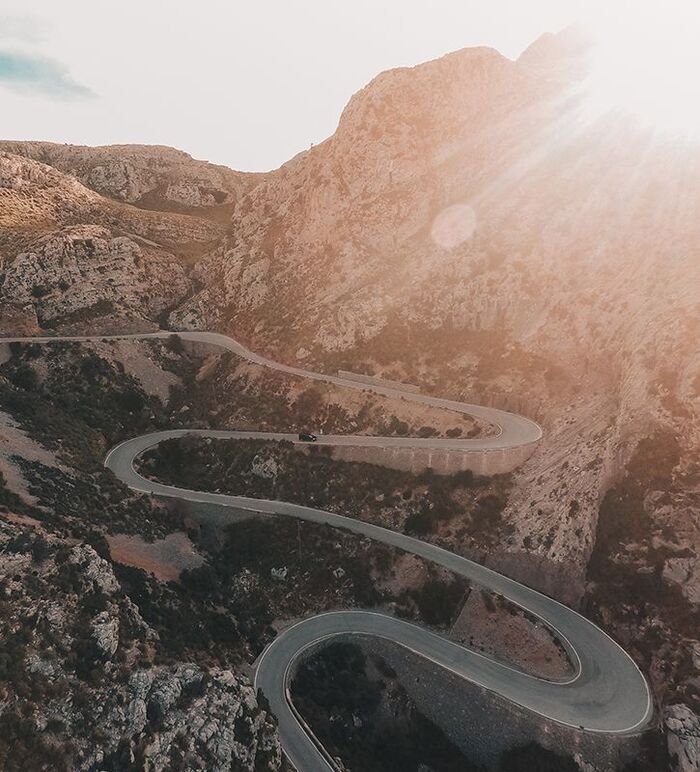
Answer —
425 504
626 570
340 693
81 407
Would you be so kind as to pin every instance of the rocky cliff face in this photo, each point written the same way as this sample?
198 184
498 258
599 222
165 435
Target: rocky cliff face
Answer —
470 227
463 195
68 254
83 269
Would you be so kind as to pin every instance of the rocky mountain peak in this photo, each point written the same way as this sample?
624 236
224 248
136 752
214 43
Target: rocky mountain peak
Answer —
426 97
559 50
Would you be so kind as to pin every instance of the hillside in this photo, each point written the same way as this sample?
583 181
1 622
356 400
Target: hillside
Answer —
67 254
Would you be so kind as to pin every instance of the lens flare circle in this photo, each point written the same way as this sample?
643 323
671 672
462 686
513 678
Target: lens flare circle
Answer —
453 226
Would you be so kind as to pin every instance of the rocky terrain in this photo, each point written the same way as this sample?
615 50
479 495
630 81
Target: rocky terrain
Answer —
151 177
144 280
80 687
131 263
468 228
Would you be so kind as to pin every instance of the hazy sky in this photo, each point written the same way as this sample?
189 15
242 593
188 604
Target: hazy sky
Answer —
243 84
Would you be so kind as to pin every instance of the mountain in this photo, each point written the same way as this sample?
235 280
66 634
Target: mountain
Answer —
466 226
469 227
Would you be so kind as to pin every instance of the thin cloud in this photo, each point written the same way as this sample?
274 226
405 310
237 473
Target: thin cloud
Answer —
30 74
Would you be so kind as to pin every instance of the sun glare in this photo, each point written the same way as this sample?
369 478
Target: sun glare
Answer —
645 62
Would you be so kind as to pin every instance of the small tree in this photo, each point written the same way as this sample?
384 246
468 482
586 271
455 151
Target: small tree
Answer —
175 344
25 377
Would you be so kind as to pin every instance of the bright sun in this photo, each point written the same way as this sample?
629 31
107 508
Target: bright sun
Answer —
646 63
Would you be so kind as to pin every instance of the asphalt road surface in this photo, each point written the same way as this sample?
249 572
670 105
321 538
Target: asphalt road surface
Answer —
606 693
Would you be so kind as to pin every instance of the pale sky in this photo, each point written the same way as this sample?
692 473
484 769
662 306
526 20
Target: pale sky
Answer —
243 84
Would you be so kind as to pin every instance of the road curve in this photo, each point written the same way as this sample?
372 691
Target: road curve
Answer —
606 693
513 431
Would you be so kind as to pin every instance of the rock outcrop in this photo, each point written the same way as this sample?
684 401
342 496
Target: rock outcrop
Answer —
67 254
684 737
212 718
72 271
34 194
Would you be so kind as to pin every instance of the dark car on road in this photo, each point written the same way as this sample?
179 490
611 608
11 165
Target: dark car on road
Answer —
307 437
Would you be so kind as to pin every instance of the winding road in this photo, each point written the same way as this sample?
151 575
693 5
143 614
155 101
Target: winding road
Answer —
606 693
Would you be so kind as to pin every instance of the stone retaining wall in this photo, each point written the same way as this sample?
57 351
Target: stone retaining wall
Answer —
416 460
372 381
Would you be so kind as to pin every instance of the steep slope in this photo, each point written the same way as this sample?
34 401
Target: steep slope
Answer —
83 271
357 238
471 225
78 691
